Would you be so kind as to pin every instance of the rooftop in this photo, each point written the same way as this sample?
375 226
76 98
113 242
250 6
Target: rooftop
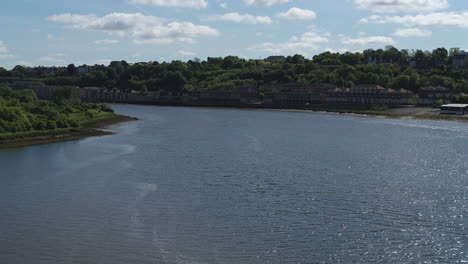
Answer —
369 86
437 88
455 105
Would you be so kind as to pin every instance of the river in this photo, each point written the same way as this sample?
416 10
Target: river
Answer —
196 185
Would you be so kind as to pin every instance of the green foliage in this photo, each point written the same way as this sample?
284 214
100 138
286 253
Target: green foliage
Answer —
62 123
62 93
89 113
51 125
21 111
387 67
106 108
5 91
24 96
379 108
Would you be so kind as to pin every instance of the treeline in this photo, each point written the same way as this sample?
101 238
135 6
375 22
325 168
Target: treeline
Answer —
387 67
22 111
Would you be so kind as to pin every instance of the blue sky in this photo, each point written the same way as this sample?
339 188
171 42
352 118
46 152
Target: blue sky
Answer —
59 32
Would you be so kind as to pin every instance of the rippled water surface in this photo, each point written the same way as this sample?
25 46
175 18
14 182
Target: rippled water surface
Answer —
188 185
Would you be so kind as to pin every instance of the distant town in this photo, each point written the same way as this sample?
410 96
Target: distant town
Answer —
388 77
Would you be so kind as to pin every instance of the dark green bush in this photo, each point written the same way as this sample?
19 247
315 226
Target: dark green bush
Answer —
51 125
62 123
89 114
40 125
106 108
73 123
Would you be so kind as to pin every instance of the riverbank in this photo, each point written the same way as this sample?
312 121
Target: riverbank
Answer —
395 113
404 112
419 113
90 128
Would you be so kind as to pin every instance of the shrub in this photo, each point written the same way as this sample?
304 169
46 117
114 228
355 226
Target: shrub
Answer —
3 126
51 125
68 109
89 113
73 123
40 125
106 108
25 96
5 91
62 123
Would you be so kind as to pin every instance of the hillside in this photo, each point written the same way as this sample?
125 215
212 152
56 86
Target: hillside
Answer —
390 67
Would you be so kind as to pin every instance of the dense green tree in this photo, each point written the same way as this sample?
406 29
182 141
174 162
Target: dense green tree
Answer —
440 54
388 67
71 69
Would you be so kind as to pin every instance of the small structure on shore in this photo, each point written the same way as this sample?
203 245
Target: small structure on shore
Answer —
454 109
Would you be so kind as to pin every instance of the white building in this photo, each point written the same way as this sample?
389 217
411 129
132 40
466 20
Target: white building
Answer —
454 109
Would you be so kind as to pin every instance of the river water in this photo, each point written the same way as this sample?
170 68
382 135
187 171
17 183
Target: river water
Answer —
194 185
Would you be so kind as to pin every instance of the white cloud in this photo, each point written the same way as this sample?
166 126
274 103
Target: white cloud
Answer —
197 4
342 50
442 19
223 5
6 56
364 20
54 60
412 32
265 3
297 13
72 18
142 28
106 41
176 32
375 40
308 42
24 63
404 6
241 18
103 62
186 53
3 48
5 52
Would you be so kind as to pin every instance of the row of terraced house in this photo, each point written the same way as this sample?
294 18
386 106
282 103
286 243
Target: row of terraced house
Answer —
285 94
330 94
271 94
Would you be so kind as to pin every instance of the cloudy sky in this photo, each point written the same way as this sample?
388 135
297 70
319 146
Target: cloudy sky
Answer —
59 32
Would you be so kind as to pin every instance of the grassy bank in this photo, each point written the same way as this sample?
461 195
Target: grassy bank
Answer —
89 128
27 120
